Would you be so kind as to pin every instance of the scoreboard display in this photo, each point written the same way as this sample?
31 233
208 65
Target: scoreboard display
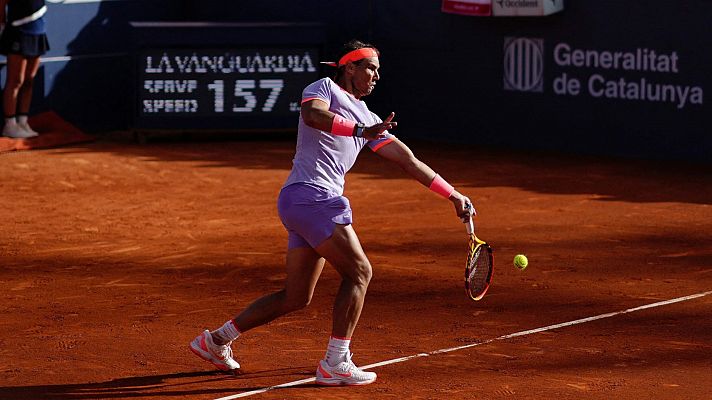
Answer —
222 88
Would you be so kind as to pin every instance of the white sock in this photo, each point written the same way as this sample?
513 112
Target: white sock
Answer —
337 350
22 119
10 121
228 332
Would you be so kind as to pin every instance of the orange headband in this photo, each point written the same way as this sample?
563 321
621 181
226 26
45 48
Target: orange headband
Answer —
355 55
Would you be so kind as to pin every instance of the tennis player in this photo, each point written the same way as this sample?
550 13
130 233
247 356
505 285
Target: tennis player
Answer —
334 126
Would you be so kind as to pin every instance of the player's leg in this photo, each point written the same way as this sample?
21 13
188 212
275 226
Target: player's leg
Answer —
343 250
24 95
304 266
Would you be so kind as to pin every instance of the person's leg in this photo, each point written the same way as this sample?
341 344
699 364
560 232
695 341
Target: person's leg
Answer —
304 267
24 96
343 250
24 92
15 76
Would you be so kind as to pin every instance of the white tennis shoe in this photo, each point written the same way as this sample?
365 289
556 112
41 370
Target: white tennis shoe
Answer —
27 129
343 373
15 131
218 355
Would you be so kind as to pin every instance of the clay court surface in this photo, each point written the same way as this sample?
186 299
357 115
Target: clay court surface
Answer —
115 255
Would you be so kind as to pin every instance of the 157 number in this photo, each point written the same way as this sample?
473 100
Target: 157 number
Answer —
246 99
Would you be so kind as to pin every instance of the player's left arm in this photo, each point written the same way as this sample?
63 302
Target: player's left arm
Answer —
397 152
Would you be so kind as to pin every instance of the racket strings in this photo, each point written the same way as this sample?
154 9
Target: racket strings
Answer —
479 267
480 270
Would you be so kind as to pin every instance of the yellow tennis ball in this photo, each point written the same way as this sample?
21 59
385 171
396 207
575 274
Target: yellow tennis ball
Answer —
520 261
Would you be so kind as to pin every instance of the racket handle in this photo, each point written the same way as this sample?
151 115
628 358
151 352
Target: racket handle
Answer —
470 225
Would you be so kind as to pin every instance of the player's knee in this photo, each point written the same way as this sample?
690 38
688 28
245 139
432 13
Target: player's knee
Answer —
302 302
296 303
363 272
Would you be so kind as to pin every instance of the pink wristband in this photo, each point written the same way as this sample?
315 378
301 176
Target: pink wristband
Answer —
441 187
342 126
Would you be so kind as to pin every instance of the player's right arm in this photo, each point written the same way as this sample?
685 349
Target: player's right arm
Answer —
316 114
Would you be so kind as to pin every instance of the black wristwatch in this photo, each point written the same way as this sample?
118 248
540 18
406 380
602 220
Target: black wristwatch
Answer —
358 131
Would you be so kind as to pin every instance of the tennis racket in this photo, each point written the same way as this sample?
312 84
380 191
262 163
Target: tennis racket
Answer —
480 262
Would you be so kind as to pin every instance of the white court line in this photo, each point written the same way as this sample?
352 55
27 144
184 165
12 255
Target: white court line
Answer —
467 346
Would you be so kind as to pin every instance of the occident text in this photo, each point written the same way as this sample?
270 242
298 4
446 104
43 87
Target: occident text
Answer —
519 3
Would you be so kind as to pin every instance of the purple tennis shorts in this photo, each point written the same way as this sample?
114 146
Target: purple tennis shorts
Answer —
310 213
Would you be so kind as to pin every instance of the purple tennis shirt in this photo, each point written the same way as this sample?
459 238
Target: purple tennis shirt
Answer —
322 158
